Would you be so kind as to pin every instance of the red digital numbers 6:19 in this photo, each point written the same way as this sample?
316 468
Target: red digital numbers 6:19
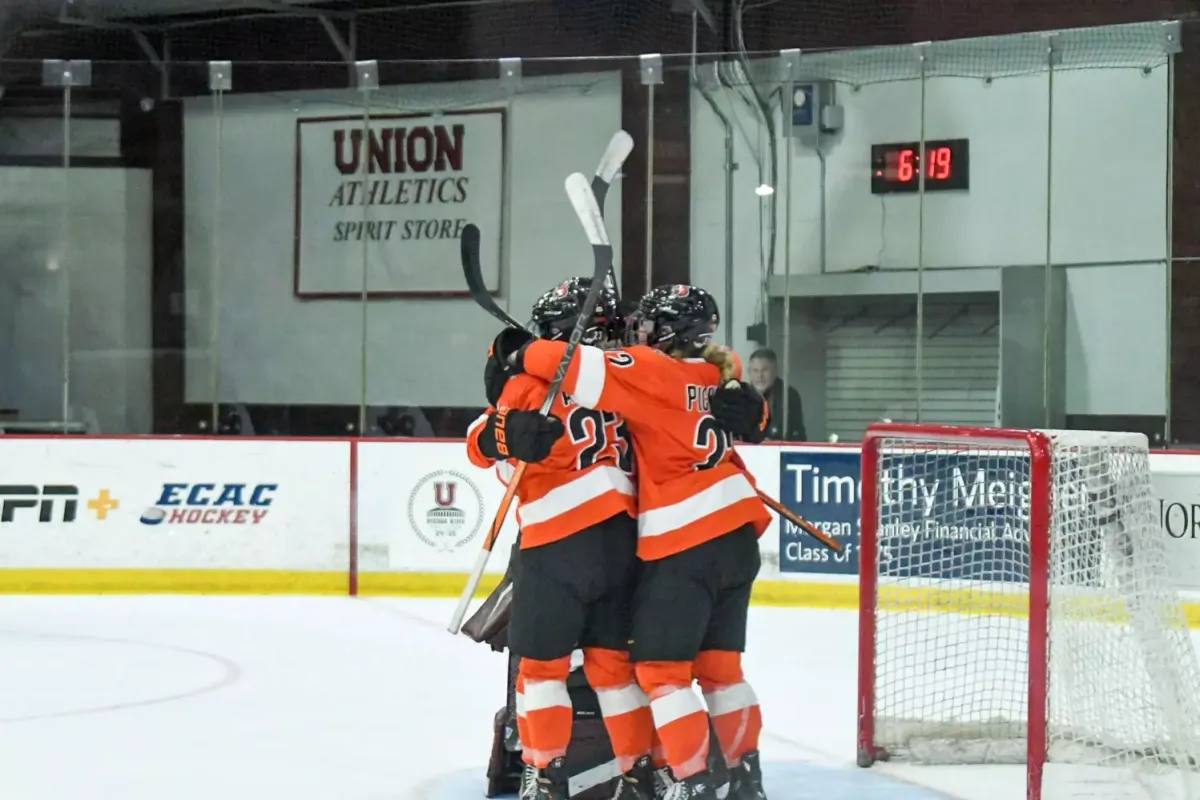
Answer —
910 167
940 160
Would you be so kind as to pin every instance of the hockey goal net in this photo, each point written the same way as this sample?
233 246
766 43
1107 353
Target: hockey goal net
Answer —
1015 608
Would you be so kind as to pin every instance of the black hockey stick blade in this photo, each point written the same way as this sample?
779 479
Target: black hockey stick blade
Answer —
588 211
473 273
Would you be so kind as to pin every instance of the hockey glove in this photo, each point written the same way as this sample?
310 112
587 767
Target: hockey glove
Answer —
508 346
740 409
497 370
495 376
524 435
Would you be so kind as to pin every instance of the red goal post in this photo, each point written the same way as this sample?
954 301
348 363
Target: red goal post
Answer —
1014 607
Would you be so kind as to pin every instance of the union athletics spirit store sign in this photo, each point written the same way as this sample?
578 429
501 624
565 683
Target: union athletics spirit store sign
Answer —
396 190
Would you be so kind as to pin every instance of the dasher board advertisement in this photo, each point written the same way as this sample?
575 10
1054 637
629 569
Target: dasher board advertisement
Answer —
162 504
1176 481
423 507
972 513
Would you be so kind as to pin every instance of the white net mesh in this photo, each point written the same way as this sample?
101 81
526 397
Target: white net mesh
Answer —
954 533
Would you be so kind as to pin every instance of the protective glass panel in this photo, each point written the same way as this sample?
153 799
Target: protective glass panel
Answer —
744 248
35 292
857 205
277 249
482 149
972 215
105 253
1108 232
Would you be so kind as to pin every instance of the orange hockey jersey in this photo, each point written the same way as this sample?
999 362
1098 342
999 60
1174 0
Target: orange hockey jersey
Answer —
586 479
692 487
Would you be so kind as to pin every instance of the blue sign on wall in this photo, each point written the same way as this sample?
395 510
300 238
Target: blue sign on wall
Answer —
958 516
824 489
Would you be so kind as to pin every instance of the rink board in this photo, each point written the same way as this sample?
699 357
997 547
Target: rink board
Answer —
392 517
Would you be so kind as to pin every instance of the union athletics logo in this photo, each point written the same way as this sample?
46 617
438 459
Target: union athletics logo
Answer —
445 510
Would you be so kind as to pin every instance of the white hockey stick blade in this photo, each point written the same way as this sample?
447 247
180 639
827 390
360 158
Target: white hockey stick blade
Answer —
579 190
619 148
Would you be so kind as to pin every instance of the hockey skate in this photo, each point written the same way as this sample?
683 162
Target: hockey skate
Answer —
638 783
696 787
545 784
663 781
746 779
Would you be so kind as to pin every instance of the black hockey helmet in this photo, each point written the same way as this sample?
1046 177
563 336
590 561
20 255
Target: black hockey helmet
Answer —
677 317
556 311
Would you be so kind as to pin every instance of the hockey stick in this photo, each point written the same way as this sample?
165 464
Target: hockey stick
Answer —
619 148
800 522
473 273
584 202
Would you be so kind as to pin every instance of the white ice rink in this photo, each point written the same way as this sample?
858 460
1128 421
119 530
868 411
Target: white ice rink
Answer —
164 697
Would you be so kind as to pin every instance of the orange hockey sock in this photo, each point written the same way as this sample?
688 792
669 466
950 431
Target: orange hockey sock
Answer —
732 704
547 709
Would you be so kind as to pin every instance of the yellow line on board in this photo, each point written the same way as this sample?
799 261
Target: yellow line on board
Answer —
170 581
1079 607
234 581
421 584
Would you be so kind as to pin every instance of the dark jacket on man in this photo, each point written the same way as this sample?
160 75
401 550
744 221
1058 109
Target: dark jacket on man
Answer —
795 413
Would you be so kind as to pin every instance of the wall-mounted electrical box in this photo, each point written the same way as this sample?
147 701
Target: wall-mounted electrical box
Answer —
814 109
811 104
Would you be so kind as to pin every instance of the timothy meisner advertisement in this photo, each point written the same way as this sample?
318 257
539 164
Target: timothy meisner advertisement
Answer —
824 488
962 516
396 190
942 516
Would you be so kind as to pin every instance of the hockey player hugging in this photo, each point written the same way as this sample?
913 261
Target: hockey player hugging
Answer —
645 574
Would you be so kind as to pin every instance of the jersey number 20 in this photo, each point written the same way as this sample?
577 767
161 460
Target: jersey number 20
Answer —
602 434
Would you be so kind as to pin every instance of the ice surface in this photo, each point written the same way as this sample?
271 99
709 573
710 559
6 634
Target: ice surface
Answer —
162 697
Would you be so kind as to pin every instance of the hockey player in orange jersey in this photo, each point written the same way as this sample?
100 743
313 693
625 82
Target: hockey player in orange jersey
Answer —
699 519
576 567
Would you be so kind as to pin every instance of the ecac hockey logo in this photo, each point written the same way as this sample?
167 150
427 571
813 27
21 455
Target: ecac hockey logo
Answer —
211 504
445 510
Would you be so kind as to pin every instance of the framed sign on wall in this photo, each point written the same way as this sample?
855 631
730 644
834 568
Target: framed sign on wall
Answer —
384 199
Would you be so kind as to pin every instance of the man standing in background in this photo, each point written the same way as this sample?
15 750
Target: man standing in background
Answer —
764 376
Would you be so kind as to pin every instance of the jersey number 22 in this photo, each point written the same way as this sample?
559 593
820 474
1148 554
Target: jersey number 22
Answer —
713 440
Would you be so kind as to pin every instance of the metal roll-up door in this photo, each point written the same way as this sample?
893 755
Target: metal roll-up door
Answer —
871 358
